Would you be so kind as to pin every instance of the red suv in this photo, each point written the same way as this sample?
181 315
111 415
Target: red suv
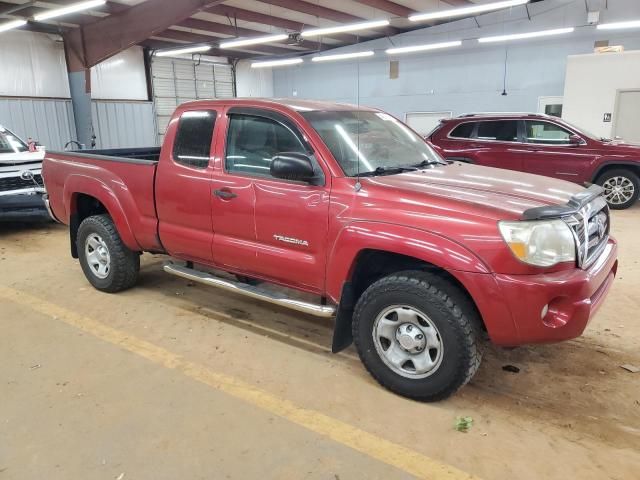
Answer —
545 145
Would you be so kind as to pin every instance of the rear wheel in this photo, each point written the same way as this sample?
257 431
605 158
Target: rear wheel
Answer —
621 188
105 260
417 335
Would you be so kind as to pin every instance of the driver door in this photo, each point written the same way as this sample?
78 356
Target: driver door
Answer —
548 151
274 229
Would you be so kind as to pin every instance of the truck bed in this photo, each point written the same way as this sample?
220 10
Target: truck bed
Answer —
151 154
93 176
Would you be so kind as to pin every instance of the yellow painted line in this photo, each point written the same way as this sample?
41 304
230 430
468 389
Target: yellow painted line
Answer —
248 323
375 447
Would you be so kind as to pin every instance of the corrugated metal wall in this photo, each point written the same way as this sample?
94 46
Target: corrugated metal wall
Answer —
123 124
48 121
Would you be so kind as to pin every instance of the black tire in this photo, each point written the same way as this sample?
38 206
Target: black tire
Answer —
622 173
449 310
124 264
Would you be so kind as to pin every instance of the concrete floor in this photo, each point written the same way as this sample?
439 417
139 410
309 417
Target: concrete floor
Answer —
169 381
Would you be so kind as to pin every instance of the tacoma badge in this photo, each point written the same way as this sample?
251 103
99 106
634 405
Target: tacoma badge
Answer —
295 241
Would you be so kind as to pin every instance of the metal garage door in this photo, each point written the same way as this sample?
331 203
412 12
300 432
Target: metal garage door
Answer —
177 80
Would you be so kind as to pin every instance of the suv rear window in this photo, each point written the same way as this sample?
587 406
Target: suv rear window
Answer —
499 130
464 130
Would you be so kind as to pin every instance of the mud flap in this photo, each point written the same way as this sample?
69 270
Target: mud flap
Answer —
342 334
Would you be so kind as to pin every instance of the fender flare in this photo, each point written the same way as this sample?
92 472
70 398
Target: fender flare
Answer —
356 237
615 163
423 245
92 187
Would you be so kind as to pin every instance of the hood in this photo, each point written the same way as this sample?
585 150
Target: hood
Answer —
495 192
21 157
620 146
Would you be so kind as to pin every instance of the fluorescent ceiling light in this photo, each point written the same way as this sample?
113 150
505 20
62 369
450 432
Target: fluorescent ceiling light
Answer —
75 7
423 48
276 63
459 12
523 36
178 51
352 27
11 25
619 25
254 41
342 56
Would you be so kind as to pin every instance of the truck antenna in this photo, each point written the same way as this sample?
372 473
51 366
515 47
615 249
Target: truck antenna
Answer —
358 185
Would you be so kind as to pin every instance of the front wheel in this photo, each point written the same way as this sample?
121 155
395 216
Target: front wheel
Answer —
105 260
417 335
621 188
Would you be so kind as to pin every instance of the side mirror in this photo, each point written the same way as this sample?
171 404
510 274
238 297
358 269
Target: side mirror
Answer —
292 166
575 140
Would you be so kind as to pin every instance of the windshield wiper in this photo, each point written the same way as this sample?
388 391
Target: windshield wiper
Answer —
426 163
388 171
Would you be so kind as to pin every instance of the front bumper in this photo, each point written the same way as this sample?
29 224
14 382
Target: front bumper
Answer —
23 208
548 307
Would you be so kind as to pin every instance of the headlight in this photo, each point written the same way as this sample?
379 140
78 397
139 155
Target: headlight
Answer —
542 242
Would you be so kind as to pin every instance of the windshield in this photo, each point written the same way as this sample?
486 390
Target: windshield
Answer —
367 142
9 143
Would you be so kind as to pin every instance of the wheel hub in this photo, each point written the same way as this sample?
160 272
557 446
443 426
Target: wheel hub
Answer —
97 255
618 190
408 341
411 338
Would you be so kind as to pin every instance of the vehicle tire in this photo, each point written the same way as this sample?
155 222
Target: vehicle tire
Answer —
621 188
418 335
106 262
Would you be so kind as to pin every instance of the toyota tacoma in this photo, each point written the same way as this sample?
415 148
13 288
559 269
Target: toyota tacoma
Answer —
417 258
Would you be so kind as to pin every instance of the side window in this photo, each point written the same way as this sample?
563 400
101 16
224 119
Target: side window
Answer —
192 145
464 130
253 141
546 133
500 130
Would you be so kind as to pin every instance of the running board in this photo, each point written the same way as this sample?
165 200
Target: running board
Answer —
249 291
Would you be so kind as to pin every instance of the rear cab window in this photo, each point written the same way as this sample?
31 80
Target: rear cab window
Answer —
192 145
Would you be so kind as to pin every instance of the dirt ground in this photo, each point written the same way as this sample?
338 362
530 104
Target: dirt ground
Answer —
171 380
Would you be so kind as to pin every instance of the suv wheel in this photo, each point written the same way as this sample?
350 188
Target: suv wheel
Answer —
106 262
417 335
621 188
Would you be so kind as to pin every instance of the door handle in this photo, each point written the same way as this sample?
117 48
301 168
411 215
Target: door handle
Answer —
224 194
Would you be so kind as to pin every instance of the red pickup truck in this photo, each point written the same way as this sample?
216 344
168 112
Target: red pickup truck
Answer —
416 257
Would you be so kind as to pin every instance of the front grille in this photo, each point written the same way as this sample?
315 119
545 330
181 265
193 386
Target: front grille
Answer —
8 184
590 227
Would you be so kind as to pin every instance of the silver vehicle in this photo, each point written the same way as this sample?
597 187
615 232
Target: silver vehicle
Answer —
21 185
